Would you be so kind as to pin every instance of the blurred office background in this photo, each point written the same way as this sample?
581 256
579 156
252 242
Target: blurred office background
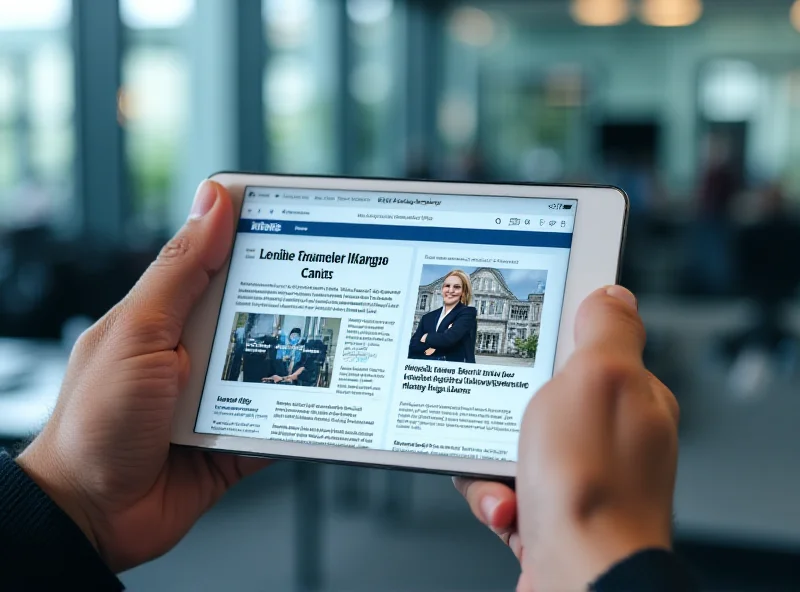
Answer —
112 111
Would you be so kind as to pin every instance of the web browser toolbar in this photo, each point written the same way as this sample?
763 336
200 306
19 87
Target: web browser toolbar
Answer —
477 220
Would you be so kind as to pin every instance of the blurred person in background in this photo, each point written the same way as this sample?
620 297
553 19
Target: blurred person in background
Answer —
720 182
476 169
418 163
710 257
634 174
469 166
100 490
769 275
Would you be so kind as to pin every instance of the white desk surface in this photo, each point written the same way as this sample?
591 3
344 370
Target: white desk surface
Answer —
30 378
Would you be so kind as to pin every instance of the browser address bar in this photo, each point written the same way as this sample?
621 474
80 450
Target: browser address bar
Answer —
480 220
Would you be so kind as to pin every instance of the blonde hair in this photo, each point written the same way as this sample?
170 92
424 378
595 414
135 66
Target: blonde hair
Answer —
466 285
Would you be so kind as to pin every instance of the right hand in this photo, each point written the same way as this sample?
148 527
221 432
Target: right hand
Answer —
597 457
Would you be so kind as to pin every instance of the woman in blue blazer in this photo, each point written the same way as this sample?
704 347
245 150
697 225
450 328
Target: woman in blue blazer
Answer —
448 333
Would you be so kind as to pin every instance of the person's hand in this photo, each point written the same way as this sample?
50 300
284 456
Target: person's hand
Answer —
495 505
295 375
430 351
274 378
597 458
424 337
104 456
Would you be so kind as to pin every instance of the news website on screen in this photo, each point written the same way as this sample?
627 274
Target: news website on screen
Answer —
403 322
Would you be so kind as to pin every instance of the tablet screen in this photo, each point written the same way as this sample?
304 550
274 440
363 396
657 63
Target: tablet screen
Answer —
403 322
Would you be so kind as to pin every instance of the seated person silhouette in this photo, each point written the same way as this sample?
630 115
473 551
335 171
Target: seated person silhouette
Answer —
259 359
769 277
312 362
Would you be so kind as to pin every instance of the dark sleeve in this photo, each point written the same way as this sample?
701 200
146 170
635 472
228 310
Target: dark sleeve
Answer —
41 548
415 346
654 570
463 324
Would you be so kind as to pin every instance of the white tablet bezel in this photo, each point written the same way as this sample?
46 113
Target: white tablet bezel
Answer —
598 237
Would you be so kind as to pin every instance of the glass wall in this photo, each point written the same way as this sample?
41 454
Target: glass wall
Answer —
37 134
376 86
301 85
154 106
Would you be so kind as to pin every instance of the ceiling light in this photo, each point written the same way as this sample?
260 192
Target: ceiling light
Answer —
155 14
730 90
288 16
369 12
472 26
671 13
290 86
289 23
600 13
34 15
794 15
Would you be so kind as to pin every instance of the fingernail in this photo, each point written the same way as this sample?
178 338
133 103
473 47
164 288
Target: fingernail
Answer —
623 294
488 506
515 544
203 200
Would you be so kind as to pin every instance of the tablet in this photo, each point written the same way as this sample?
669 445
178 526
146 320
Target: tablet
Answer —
391 323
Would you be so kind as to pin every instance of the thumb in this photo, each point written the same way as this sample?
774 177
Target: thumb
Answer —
174 282
609 321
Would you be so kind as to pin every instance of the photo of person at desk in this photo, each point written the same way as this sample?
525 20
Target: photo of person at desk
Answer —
448 333
261 351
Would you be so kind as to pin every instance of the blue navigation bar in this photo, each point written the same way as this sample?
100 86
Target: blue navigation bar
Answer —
515 238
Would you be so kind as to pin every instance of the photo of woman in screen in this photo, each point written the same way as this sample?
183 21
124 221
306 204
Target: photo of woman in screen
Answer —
448 333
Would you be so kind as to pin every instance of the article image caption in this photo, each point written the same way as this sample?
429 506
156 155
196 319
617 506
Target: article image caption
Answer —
457 380
275 349
478 315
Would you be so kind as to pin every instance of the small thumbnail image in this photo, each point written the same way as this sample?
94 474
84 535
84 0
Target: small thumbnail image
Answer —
275 349
478 315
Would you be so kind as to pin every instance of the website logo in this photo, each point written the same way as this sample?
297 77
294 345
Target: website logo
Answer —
259 226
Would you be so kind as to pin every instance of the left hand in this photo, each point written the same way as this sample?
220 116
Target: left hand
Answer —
424 337
430 351
105 456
